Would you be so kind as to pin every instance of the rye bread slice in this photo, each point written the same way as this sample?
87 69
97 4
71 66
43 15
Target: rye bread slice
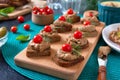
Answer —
65 63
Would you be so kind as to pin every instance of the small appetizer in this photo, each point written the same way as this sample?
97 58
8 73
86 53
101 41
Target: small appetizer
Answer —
93 20
61 25
67 56
78 40
71 16
90 13
115 36
37 47
49 35
88 30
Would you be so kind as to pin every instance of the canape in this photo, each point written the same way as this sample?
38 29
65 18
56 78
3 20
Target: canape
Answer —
90 13
88 30
49 35
67 56
71 16
93 20
61 26
38 47
78 40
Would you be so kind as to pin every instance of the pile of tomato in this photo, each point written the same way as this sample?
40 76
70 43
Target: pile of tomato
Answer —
42 11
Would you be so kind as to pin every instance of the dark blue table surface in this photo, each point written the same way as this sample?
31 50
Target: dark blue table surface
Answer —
6 72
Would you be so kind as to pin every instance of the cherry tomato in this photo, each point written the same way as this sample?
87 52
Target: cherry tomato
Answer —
21 19
49 11
37 39
44 13
70 11
47 28
35 12
34 8
41 10
77 34
14 29
26 26
66 47
39 13
86 23
46 8
62 18
91 14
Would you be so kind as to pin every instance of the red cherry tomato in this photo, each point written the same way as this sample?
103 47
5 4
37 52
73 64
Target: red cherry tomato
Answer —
26 26
86 23
34 8
70 11
47 28
62 18
44 13
39 13
77 34
35 12
41 10
13 29
21 19
66 47
49 11
91 14
46 8
37 39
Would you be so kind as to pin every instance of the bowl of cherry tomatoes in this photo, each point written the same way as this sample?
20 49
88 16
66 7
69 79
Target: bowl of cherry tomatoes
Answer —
42 16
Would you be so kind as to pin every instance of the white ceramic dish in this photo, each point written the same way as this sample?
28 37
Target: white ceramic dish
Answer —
3 40
105 34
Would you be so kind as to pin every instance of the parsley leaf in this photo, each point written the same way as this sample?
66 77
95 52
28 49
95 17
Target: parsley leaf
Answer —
23 38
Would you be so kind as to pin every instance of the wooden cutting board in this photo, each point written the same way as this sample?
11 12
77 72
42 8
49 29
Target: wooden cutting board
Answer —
15 14
24 11
46 64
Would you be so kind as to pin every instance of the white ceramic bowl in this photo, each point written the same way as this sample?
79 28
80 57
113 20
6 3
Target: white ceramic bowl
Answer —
3 40
105 34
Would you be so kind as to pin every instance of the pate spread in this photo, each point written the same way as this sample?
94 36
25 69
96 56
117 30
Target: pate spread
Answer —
35 49
88 30
82 42
62 26
66 55
93 20
72 18
50 36
115 36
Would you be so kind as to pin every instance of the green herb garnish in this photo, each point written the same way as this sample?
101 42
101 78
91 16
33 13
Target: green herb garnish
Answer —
76 49
47 39
76 46
76 52
69 20
23 38
7 10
